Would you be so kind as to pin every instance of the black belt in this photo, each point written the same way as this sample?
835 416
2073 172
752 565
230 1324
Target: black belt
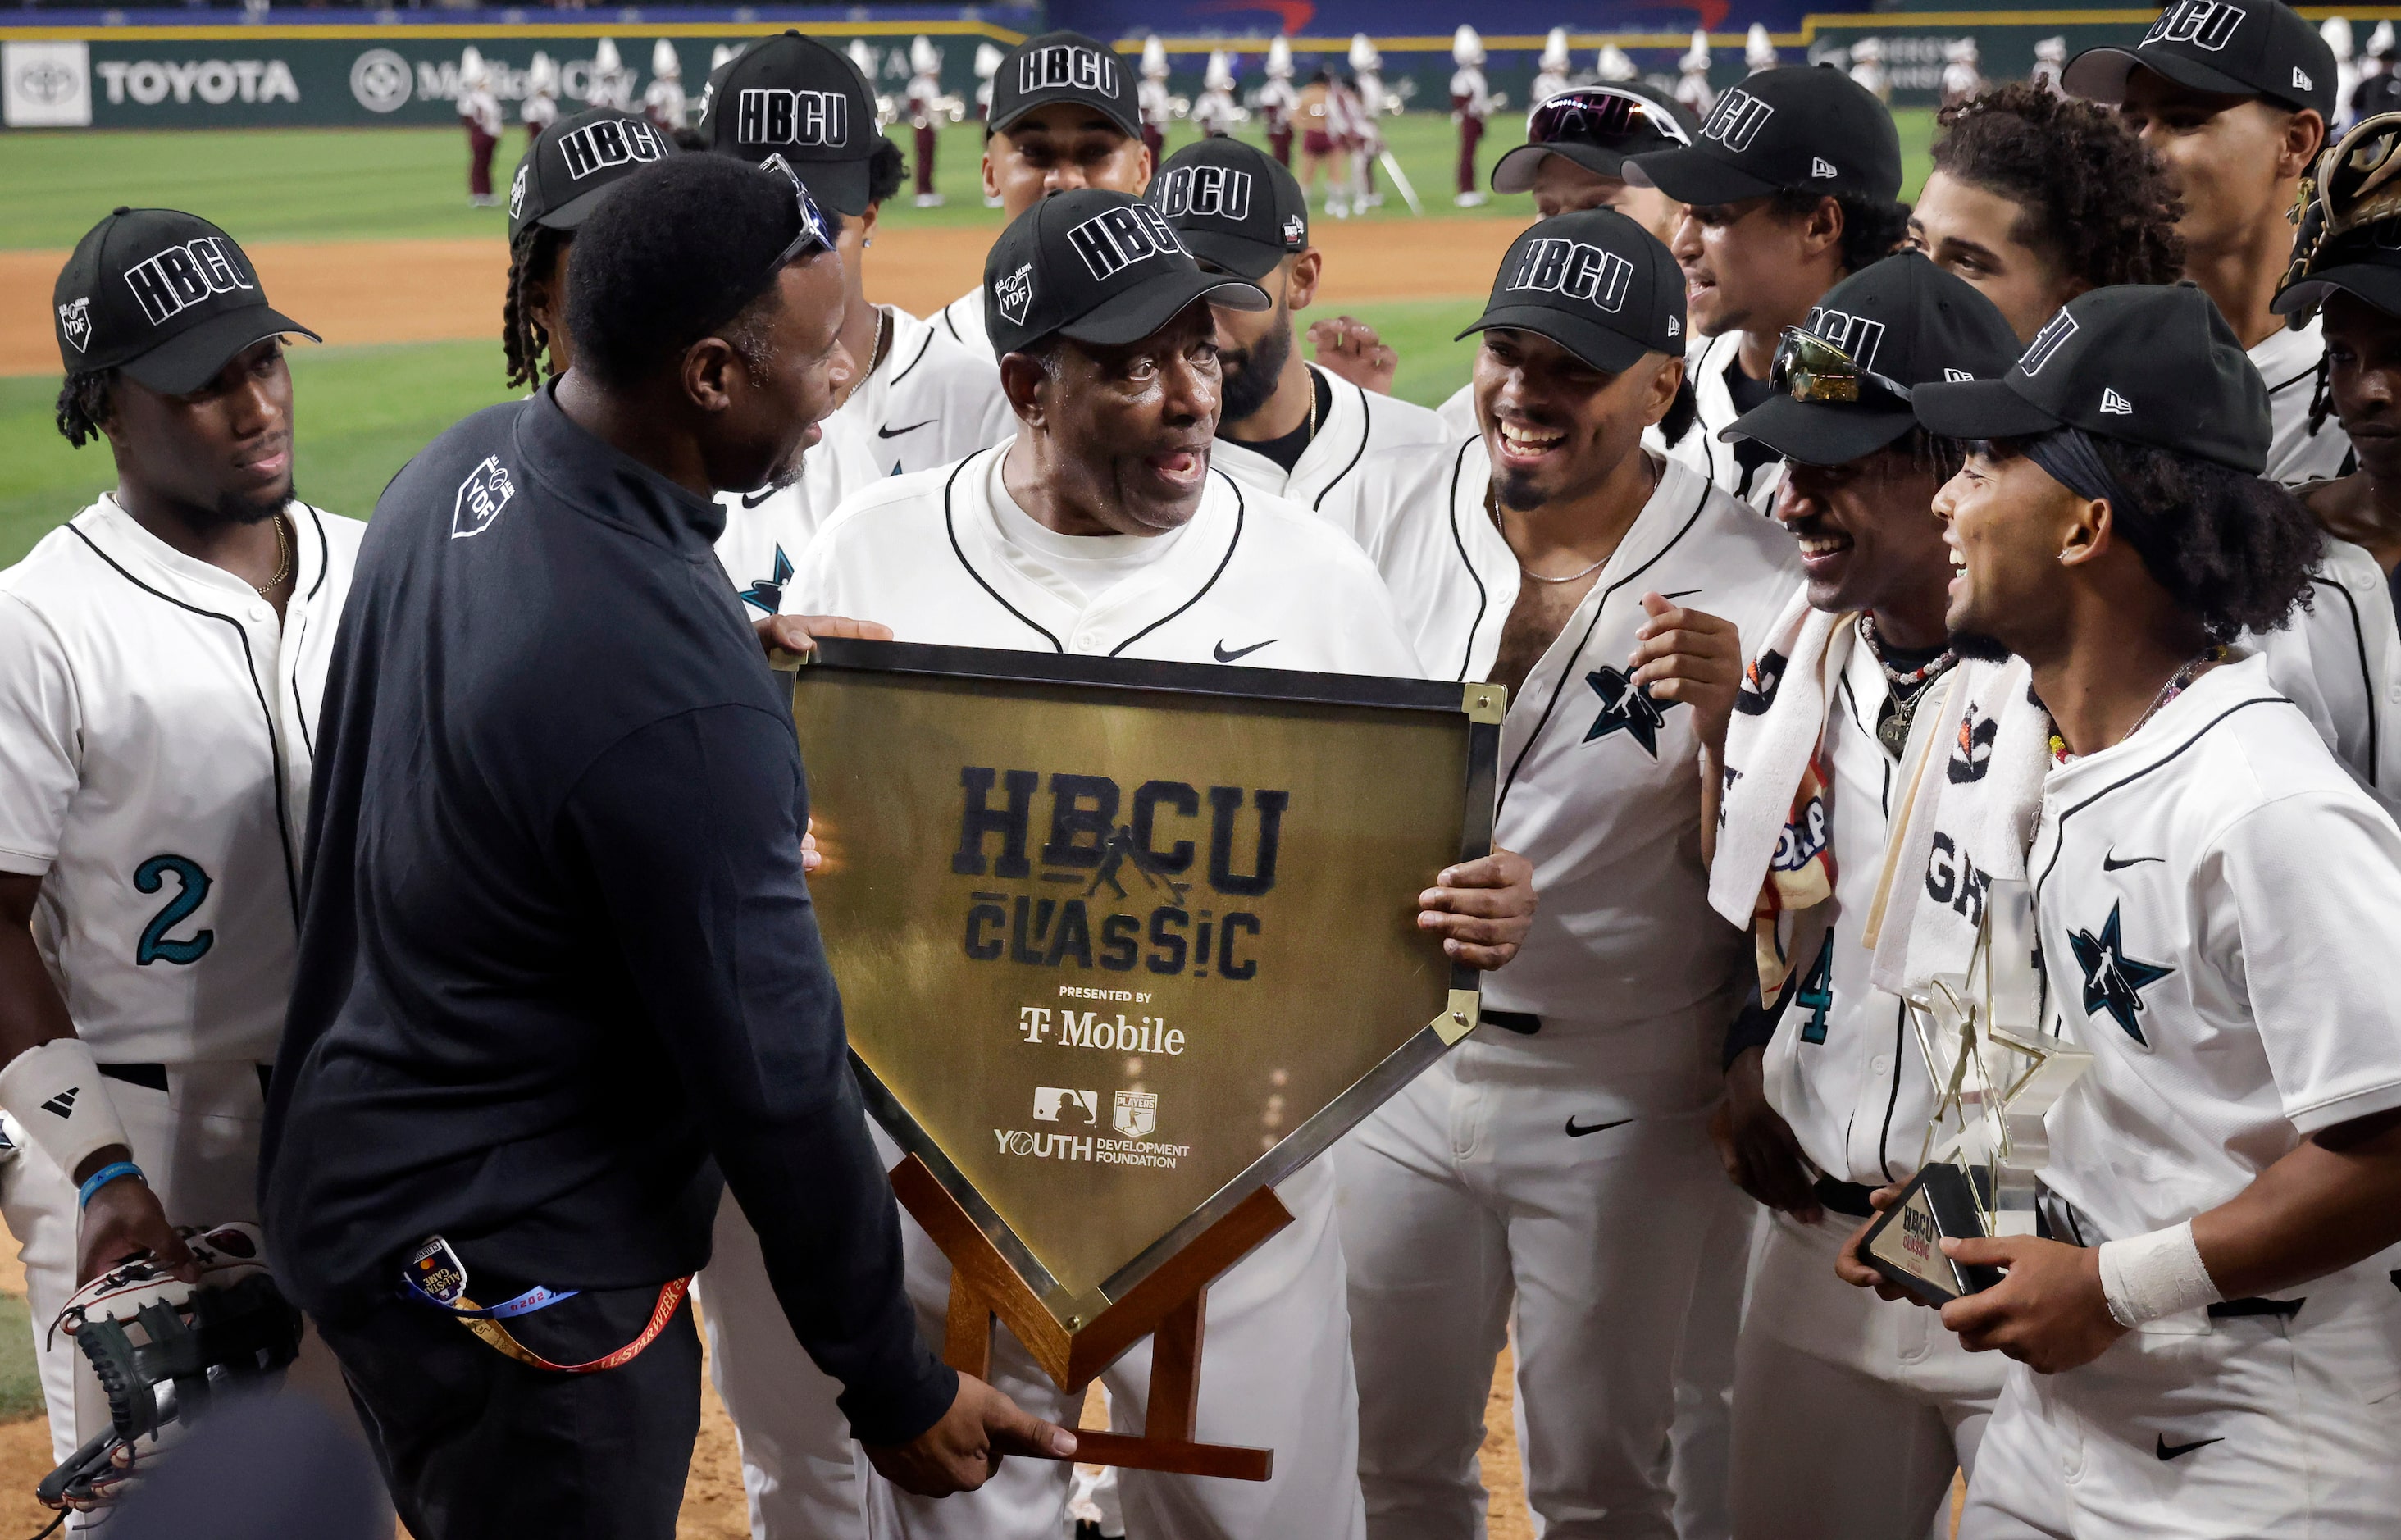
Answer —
1849 1198
153 1077
1523 1022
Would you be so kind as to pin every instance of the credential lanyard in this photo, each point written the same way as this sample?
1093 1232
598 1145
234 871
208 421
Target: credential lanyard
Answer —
435 1277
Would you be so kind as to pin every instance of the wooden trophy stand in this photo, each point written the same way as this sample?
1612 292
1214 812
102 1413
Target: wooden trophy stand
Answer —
1168 1306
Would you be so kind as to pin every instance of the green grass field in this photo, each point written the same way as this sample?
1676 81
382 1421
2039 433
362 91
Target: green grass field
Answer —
364 411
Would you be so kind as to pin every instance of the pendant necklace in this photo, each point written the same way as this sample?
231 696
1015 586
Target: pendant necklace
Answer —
1907 688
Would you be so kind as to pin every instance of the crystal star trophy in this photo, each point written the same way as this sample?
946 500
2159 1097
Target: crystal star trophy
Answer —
1996 1076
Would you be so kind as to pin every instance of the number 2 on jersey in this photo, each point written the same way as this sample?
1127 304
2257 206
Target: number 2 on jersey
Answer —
156 945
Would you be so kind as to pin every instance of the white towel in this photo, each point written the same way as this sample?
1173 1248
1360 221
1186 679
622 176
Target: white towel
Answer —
1774 860
1974 789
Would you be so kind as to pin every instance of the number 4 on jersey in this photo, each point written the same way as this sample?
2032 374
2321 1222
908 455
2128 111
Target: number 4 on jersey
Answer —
1816 994
193 886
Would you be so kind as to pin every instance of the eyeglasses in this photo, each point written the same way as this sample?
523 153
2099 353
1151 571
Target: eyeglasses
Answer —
1608 117
2357 184
814 234
1808 367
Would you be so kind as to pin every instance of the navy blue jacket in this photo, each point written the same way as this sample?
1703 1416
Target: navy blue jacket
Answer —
557 964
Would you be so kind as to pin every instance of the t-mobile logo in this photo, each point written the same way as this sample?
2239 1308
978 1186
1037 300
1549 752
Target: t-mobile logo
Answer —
182 276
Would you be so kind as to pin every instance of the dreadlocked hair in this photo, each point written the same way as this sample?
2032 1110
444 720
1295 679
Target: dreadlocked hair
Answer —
532 251
2093 197
1872 227
82 404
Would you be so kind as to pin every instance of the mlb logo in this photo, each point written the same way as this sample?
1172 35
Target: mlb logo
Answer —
517 189
1050 1101
1295 233
74 323
1014 294
1137 1114
486 491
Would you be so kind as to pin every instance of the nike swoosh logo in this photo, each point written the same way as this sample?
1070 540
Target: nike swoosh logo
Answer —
1225 656
2171 1452
896 432
1575 1133
752 499
2109 862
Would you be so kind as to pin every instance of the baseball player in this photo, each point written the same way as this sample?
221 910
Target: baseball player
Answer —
1790 186
1869 1410
558 185
1102 530
917 398
1471 104
1285 426
2205 1340
2034 198
2235 101
1555 1173
161 655
1064 116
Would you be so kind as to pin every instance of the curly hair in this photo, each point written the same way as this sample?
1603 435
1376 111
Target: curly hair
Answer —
2093 198
1872 227
84 405
2234 550
532 252
885 168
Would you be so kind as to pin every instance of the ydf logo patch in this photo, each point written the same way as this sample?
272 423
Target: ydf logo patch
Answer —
1556 265
481 497
182 276
1116 238
74 323
1014 294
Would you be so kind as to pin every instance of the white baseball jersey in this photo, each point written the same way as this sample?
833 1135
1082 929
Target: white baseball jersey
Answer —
1359 424
928 402
1706 363
157 731
1599 785
963 318
2341 663
2214 899
2287 361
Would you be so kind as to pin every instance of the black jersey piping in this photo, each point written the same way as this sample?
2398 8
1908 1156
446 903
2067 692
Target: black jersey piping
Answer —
1240 518
250 666
1892 1099
1548 707
1708 435
950 528
2359 643
952 327
1366 425
2059 834
324 566
1483 599
923 348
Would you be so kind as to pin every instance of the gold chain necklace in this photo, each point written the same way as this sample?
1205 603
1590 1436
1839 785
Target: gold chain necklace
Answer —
282 561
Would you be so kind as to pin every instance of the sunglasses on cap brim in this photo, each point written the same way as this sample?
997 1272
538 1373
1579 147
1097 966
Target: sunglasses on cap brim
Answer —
1809 368
814 235
1607 117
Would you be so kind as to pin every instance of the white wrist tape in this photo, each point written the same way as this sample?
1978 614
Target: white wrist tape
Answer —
2149 1276
55 1092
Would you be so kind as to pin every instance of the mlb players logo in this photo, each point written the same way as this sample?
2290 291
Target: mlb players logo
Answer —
2207 24
1295 233
809 119
1574 270
1856 335
1115 238
1054 1104
181 277
74 323
517 187
1136 1114
1064 66
481 497
1208 192
2047 341
598 146
1014 294
1737 119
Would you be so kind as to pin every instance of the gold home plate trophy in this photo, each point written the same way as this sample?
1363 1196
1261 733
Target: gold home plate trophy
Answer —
1121 945
1997 1075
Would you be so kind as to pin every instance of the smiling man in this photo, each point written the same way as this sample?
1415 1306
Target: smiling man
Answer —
160 659
1555 1170
2234 100
1790 186
1102 530
2209 1345
558 969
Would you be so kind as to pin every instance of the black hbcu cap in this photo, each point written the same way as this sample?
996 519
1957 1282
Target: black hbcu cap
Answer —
1097 267
1595 282
1902 317
2140 363
1804 126
792 96
1232 205
575 161
1064 66
2259 47
1596 128
167 297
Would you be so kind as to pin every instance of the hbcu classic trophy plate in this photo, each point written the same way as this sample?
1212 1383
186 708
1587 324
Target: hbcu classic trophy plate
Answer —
1121 945
1997 1075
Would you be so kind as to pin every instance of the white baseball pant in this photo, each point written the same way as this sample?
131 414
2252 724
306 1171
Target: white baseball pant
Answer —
1850 1414
1701 1441
1560 1187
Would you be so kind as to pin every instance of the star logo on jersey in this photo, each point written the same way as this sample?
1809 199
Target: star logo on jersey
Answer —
2113 982
1624 708
767 594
